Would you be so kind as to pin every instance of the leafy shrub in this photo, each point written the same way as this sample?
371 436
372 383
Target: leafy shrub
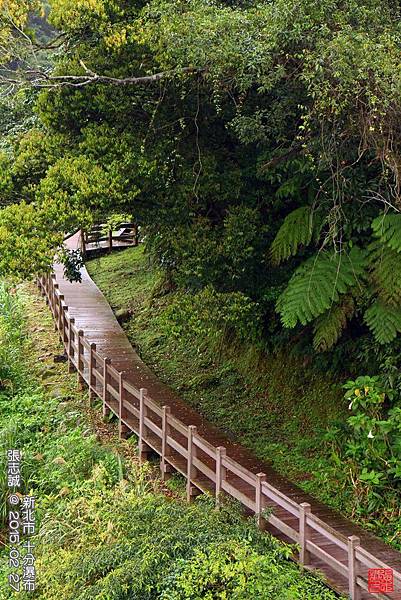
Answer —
234 570
371 443
210 314
148 547
72 262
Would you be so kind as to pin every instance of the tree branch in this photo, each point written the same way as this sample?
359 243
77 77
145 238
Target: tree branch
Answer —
40 79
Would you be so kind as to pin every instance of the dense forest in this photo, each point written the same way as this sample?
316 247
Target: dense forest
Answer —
257 145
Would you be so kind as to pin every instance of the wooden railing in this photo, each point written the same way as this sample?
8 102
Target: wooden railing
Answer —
99 238
206 467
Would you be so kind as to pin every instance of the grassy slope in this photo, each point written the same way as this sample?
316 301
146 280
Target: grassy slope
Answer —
274 405
108 527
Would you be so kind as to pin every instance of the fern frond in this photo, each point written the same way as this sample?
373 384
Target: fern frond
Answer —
297 230
387 228
317 284
385 270
329 326
384 321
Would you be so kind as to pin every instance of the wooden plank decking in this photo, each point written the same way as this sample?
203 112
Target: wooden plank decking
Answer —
195 452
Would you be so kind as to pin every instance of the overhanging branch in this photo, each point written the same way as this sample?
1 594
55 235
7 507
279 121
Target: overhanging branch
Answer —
40 79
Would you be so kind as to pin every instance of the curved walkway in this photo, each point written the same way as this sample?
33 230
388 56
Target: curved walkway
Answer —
323 534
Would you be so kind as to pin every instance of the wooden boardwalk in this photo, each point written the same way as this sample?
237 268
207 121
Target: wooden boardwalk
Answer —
99 350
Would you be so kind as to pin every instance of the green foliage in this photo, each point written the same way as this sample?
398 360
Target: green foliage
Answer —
289 119
7 442
328 327
296 231
233 570
6 186
72 262
370 444
29 236
384 321
385 272
80 183
114 220
277 404
387 227
12 335
150 542
242 243
318 283
211 315
270 122
34 152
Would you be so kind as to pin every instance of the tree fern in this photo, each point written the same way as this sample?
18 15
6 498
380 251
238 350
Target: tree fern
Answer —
297 230
387 228
385 271
317 284
329 326
384 321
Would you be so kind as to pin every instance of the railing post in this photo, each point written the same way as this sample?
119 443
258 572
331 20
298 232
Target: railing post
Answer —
60 315
55 306
304 510
52 292
83 243
220 473
110 240
260 477
142 445
80 362
354 590
92 379
191 470
48 287
123 430
165 467
45 284
64 324
105 410
71 338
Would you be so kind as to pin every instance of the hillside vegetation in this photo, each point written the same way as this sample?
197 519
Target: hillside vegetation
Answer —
257 145
289 412
106 527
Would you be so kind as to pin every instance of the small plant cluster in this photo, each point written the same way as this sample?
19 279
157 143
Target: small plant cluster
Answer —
72 262
370 444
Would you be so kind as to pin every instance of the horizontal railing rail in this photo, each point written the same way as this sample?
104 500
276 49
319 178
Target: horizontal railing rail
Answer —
206 467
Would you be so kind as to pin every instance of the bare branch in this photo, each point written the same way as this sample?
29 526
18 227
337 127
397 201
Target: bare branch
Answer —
42 79
54 44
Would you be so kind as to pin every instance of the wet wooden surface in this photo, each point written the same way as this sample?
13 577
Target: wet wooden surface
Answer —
94 316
